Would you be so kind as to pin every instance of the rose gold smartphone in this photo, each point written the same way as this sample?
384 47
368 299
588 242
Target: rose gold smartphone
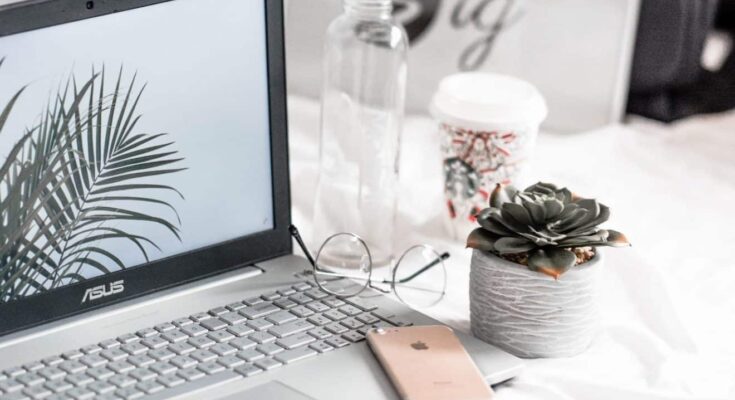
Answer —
428 362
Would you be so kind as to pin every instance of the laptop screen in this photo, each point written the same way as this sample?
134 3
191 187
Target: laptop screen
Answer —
129 138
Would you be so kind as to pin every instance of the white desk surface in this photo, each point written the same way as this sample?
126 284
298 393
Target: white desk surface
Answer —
668 303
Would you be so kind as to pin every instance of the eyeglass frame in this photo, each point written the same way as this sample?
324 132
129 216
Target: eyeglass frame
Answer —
369 281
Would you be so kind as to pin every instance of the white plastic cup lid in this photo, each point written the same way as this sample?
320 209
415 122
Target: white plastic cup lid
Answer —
477 99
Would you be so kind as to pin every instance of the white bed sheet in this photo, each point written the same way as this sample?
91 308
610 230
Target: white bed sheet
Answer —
668 307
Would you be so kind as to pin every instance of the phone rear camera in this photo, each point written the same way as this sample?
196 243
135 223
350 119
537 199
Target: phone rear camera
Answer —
90 5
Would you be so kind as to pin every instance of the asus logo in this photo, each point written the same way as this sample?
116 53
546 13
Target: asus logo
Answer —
101 291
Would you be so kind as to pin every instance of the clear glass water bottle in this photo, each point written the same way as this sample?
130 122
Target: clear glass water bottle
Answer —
362 115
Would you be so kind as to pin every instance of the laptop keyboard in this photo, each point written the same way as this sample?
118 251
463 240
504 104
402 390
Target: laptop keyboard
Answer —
226 343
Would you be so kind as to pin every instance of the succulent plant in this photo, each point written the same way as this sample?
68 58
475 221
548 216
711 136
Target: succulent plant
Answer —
545 223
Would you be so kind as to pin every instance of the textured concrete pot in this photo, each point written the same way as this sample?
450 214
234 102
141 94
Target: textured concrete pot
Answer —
530 314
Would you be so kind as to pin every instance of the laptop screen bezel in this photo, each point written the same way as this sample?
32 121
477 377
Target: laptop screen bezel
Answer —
182 268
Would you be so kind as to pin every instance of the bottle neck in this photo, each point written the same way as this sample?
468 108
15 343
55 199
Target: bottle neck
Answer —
368 9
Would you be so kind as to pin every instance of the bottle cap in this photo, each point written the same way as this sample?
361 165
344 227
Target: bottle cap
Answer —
474 100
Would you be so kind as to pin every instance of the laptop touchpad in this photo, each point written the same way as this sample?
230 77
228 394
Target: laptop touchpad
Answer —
271 390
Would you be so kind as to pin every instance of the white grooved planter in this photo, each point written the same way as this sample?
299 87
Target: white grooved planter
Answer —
530 314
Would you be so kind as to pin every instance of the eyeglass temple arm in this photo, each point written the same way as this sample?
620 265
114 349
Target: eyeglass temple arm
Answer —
428 266
296 235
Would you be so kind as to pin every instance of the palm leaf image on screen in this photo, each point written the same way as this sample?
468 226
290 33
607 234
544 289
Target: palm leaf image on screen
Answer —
73 179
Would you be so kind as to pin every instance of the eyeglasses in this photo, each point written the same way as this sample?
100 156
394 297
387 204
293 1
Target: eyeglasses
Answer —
344 267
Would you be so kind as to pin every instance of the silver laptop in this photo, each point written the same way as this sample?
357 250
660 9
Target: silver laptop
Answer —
144 214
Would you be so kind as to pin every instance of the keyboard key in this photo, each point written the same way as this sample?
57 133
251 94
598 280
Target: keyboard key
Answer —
333 302
141 360
210 367
101 387
223 349
181 348
320 333
194 330
30 379
337 342
183 361
270 296
134 348
253 301
129 393
262 337
260 324
69 355
221 336
120 367
108 344
72 366
51 361
294 341
10 385
259 310
127 338
51 373
250 355
248 370
147 332
230 361
362 304
182 322
317 306
37 392
91 349
300 298
242 343
334 315
113 354
269 348
190 374
199 317
33 366
301 286
176 336
290 356
367 318
170 380
79 379
336 328
201 342
240 329
350 310
321 347
351 323
150 387
142 374
316 294
80 393
319 320
302 311
214 324
218 311
122 380
291 328
93 360
281 317
285 303
353 336
268 364
99 373
235 306
203 355
162 354
232 318
165 327
154 342
162 367
286 291
58 385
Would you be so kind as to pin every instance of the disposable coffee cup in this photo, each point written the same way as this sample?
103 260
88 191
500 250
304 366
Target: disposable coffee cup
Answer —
488 125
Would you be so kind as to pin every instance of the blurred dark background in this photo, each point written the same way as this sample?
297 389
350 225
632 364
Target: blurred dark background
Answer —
683 63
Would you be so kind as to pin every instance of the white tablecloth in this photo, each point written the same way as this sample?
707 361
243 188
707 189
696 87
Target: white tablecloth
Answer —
668 305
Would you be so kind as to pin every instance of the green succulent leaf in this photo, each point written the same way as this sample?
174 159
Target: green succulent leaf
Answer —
481 239
511 245
551 261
